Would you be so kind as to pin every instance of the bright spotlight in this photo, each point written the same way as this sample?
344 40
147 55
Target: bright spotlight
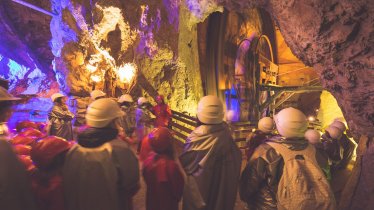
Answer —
311 118
95 78
91 68
126 72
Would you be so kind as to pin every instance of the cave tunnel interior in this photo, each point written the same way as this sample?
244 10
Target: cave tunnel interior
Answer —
258 58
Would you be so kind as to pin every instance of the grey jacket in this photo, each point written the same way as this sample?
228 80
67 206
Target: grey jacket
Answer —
212 163
100 178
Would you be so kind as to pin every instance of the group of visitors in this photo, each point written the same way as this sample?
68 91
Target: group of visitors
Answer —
99 170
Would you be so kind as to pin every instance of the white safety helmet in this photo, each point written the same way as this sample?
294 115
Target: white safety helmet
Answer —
340 125
334 132
291 123
96 94
266 124
56 96
230 115
142 100
5 96
210 110
102 111
313 136
125 98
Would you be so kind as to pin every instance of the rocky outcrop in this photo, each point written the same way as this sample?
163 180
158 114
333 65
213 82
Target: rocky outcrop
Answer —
336 38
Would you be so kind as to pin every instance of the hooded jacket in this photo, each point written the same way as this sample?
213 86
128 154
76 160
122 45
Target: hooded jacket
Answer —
260 178
212 163
60 122
164 182
101 172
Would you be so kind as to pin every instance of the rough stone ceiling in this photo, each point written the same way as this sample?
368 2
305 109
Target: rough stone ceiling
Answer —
25 34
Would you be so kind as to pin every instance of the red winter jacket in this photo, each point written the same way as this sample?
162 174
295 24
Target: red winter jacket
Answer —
163 115
164 183
48 190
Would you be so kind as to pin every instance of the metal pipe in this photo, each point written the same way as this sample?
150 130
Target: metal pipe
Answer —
31 6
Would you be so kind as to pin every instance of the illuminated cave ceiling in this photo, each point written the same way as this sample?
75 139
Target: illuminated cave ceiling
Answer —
335 37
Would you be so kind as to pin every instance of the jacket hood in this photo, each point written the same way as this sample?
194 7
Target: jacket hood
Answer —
291 143
206 130
95 137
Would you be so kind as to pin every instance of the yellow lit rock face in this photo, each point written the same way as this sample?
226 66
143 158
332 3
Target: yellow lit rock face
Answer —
329 109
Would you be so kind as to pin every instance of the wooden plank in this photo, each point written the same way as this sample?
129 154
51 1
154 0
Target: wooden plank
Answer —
188 122
184 115
180 127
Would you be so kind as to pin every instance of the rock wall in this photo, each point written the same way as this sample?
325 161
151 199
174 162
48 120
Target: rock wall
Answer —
336 38
106 34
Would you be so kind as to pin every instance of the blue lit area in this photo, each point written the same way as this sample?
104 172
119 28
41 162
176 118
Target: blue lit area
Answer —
232 103
26 81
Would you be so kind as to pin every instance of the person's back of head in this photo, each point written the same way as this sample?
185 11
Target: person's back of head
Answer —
143 102
102 112
49 153
313 136
210 110
334 132
97 94
266 125
125 100
340 125
291 123
161 140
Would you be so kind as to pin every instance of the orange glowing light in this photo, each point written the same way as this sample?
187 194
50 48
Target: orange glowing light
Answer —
95 78
126 72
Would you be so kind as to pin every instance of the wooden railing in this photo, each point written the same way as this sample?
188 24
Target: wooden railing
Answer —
183 124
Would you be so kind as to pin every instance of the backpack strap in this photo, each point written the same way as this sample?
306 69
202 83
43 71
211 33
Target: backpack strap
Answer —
287 154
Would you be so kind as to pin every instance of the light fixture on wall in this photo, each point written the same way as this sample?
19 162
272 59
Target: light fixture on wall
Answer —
127 72
91 68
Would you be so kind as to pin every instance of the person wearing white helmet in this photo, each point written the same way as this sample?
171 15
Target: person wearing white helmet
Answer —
101 171
282 158
144 120
128 121
346 143
339 147
260 135
211 160
97 94
314 138
14 184
59 118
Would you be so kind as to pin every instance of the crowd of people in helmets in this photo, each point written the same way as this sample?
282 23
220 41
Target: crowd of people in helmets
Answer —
42 166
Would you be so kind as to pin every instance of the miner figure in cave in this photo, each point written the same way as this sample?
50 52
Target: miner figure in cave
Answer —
59 119
211 160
